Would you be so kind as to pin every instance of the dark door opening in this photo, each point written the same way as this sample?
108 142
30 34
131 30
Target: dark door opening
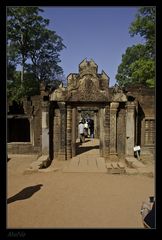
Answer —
18 130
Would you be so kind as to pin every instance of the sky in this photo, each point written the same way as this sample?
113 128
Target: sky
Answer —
98 33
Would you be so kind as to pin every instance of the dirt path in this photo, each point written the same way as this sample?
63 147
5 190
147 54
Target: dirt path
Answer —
73 200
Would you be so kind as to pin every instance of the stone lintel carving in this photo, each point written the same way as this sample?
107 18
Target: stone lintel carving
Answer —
119 97
87 108
118 94
87 96
114 105
59 94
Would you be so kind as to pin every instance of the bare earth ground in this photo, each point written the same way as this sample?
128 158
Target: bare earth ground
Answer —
73 200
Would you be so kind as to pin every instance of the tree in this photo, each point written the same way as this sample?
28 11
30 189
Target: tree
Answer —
144 25
33 46
17 89
138 62
44 55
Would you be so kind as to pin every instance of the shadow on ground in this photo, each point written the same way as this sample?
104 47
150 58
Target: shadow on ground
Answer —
80 150
25 193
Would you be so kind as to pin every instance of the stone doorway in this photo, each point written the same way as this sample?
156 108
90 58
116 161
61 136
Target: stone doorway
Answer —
95 112
86 92
92 142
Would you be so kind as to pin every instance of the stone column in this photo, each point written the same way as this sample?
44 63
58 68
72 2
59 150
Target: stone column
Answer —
113 132
79 115
101 135
78 119
51 129
56 132
45 128
130 129
69 132
73 131
62 151
32 130
95 125
107 132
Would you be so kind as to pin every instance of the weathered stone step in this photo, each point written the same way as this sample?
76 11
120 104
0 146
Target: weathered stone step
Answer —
115 167
86 164
134 162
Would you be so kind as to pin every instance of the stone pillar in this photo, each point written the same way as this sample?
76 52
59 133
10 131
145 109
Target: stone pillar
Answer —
101 136
45 128
73 131
79 117
121 131
51 130
62 150
69 132
56 131
95 125
107 132
113 132
130 129
31 130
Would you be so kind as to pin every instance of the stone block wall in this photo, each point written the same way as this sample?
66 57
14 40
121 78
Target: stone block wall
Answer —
32 110
23 148
146 111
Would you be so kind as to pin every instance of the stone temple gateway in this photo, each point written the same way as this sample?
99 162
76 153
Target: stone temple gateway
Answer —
122 118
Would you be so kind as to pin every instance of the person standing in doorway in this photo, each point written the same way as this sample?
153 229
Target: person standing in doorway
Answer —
81 131
86 129
91 127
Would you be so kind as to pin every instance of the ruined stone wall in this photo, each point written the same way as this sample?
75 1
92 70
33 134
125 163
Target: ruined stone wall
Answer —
32 110
145 117
22 148
146 99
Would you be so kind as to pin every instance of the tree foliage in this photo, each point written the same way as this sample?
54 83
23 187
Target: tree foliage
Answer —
17 89
138 62
31 45
144 25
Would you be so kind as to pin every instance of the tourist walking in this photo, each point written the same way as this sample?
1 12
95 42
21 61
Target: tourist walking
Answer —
86 129
81 132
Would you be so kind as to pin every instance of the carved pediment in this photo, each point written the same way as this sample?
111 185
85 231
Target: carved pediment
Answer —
88 82
87 67
88 90
87 85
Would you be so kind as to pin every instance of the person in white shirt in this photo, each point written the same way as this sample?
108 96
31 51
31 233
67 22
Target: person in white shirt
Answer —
81 132
86 129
